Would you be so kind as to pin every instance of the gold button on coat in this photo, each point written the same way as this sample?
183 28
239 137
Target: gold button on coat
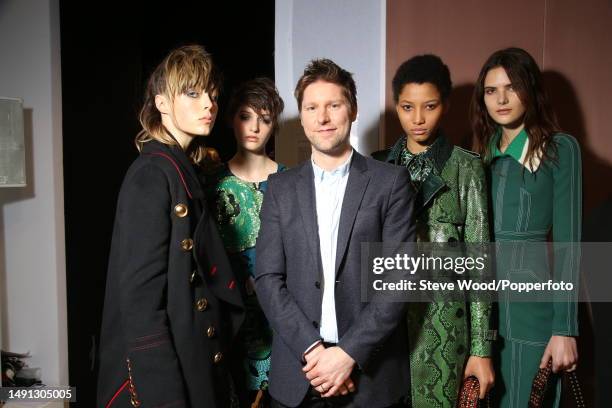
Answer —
202 304
210 332
187 244
218 357
181 210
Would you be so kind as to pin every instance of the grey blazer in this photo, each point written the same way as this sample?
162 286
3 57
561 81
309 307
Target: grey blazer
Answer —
377 207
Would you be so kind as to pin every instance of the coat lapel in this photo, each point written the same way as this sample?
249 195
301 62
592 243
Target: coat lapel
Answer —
434 184
429 189
355 188
191 177
186 170
220 279
306 201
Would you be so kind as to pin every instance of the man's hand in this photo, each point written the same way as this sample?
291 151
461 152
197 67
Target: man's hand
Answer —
312 357
313 353
481 368
563 352
329 371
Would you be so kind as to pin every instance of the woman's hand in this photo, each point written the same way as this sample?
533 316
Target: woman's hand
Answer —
564 354
481 368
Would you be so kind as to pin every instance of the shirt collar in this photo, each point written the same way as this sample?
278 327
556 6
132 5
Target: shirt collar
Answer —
517 149
340 171
439 151
429 152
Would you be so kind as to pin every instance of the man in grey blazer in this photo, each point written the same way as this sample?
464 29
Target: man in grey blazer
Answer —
329 347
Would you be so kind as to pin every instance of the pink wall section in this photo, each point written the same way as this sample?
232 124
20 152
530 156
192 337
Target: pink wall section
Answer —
578 64
568 38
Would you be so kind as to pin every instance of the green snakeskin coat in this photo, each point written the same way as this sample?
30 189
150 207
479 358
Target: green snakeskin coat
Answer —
452 206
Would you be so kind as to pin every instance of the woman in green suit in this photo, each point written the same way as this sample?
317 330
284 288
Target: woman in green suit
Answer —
448 340
536 181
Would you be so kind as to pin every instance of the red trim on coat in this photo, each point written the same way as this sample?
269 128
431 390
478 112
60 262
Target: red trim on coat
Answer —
232 284
162 333
177 169
149 345
117 393
213 270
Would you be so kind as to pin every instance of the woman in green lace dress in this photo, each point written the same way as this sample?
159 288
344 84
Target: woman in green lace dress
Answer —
448 340
238 189
536 179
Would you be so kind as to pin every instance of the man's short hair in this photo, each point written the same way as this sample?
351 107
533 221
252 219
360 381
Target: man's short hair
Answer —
422 69
328 71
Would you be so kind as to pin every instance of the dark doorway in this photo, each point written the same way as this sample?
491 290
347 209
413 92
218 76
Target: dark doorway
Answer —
107 52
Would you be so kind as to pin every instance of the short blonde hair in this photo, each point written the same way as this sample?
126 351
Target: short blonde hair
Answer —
189 67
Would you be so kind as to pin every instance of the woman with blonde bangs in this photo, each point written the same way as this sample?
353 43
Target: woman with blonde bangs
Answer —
184 78
237 189
171 305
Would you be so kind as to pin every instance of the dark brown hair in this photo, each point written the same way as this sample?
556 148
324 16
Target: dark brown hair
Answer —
328 71
526 78
259 94
189 67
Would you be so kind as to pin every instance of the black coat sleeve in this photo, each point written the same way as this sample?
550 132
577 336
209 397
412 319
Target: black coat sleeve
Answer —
143 219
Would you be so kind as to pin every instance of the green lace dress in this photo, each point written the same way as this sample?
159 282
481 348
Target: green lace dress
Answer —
236 208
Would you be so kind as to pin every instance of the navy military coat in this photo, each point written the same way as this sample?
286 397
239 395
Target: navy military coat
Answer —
171 305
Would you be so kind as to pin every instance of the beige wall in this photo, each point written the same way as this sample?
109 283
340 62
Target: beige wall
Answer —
566 37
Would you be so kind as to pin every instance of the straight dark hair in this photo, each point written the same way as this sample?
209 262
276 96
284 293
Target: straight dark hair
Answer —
526 78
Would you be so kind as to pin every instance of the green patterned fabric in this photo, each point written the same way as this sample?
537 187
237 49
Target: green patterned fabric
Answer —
451 206
236 208
419 166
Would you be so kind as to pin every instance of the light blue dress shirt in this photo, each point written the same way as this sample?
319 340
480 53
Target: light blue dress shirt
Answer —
330 187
